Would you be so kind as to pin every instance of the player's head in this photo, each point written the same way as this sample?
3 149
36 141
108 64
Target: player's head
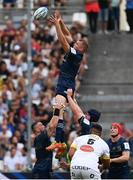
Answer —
93 115
96 129
81 45
37 127
115 129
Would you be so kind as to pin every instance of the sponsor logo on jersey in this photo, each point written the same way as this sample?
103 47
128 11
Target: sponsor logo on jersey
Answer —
87 148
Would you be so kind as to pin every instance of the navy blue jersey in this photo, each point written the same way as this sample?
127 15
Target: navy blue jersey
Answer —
71 63
40 144
69 70
43 165
116 150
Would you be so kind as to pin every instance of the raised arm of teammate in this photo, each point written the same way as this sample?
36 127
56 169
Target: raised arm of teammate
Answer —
74 106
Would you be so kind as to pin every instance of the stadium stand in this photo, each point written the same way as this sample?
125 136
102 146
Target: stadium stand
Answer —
108 80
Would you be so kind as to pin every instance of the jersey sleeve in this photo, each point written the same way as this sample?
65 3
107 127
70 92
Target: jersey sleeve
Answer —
72 54
106 154
125 146
74 144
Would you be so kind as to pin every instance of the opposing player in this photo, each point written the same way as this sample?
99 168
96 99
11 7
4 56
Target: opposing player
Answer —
85 152
68 72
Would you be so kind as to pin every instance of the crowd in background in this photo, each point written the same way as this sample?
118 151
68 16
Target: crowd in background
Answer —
102 15
35 3
109 15
47 56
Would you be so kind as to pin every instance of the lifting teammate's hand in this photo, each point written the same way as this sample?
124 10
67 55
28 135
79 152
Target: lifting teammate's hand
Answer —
69 92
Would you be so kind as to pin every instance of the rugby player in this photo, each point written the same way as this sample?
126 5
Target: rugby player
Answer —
85 152
68 72
43 165
119 154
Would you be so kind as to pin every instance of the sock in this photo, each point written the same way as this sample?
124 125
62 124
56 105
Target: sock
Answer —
59 136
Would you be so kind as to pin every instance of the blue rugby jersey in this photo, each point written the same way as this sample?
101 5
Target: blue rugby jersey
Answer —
116 149
71 63
40 143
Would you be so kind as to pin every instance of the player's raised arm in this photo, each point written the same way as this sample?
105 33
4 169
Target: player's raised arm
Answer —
65 45
64 28
74 106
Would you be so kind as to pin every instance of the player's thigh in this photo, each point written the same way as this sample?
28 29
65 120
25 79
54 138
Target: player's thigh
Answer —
60 100
90 174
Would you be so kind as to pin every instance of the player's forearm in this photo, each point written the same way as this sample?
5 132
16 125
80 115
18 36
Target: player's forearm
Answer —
64 28
66 32
61 37
119 159
75 108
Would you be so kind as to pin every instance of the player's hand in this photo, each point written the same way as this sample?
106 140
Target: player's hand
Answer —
54 19
100 167
64 164
57 14
69 92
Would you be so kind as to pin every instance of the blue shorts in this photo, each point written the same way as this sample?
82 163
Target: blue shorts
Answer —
104 15
65 82
42 169
119 173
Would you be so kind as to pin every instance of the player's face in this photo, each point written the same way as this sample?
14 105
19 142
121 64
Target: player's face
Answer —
78 45
39 127
87 116
113 131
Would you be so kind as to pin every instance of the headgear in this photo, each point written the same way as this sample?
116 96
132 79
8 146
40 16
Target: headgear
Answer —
118 127
94 115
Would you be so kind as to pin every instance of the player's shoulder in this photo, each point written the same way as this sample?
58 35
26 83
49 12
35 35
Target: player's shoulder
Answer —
73 51
103 142
82 137
122 140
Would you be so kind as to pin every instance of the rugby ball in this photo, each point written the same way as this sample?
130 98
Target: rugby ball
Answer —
40 13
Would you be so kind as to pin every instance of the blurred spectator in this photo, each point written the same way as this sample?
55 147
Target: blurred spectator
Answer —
129 12
115 13
45 36
10 30
59 3
5 133
126 133
92 9
42 114
4 72
12 161
103 15
9 3
24 158
3 108
40 3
